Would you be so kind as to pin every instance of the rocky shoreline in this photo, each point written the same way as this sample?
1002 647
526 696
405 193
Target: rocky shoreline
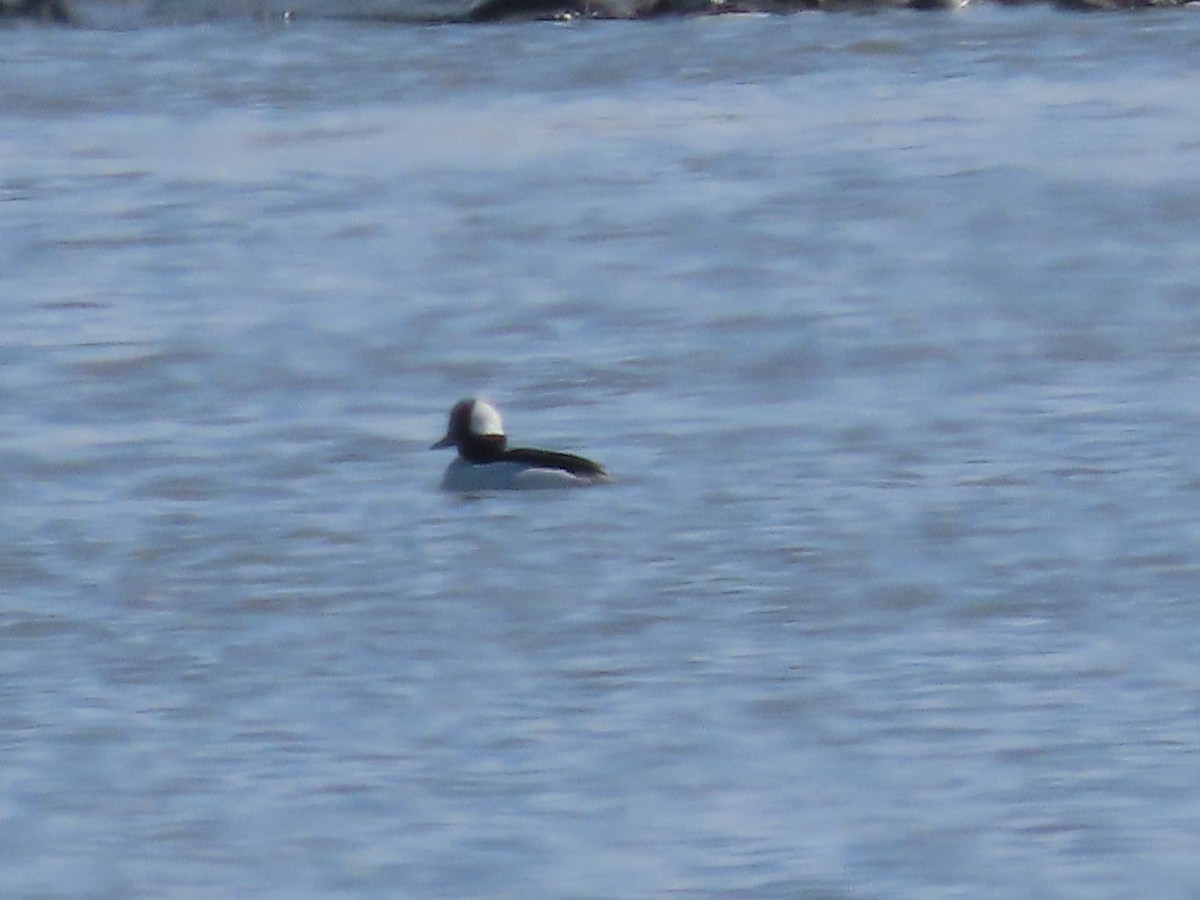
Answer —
504 10
63 12
51 11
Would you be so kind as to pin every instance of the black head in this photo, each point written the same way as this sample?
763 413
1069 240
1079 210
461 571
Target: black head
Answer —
476 430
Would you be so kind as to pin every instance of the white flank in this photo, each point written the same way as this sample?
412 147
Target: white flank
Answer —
466 478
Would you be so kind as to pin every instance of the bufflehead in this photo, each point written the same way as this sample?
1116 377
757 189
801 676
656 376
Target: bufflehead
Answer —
485 464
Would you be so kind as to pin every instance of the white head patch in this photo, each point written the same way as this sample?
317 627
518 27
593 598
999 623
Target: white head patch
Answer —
485 420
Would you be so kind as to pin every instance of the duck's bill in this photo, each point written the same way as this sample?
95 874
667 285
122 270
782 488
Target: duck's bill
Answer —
447 441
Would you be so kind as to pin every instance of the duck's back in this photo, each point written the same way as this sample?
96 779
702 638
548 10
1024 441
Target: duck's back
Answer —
553 459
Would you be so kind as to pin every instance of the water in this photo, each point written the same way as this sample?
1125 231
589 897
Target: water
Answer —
888 327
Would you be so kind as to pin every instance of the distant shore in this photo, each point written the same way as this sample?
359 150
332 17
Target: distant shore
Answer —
493 10
52 11
64 12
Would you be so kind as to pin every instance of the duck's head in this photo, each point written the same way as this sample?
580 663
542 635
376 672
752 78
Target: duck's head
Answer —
476 429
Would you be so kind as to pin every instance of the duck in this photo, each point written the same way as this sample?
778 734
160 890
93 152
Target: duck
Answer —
486 463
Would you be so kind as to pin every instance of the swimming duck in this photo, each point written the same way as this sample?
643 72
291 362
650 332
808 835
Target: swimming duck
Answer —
485 463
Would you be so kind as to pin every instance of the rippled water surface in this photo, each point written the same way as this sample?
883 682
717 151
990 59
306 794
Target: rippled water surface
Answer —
888 327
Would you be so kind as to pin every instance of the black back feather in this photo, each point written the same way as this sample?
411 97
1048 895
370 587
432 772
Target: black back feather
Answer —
552 459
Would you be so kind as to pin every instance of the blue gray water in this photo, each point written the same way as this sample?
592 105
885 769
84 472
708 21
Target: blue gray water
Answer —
887 326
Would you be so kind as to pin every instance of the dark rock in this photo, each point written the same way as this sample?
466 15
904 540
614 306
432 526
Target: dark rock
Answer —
52 11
